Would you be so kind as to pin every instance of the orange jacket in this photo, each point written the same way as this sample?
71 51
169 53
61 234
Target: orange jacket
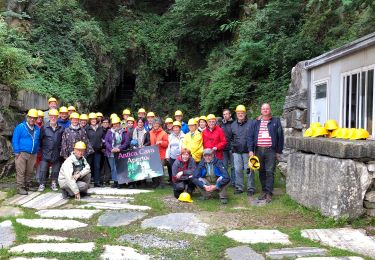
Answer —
159 135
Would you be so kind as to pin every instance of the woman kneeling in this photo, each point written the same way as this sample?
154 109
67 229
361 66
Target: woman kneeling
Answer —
182 173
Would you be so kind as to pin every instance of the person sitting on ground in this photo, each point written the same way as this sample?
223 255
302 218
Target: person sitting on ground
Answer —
210 176
75 174
182 173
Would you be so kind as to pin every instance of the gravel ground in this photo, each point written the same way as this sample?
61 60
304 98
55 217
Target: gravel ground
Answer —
146 241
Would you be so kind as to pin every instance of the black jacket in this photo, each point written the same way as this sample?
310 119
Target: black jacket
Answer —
95 137
50 142
226 126
240 132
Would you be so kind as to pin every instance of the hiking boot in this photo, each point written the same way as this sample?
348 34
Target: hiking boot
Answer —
237 192
114 185
97 185
64 194
262 197
22 191
41 188
268 198
54 186
250 193
224 201
30 188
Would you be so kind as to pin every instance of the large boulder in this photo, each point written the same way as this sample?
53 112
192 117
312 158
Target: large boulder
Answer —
297 92
335 187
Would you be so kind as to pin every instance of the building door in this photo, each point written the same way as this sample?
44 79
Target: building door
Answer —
319 111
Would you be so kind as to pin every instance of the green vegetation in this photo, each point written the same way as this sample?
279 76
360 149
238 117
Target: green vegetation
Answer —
197 55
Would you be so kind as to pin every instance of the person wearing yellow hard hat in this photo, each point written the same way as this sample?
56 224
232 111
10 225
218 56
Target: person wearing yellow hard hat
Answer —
175 140
39 121
178 116
95 134
99 116
226 124
140 136
25 143
150 117
73 134
141 113
182 175
214 137
211 176
71 109
168 125
83 121
266 141
75 174
130 126
125 114
239 133
202 123
63 117
193 141
51 136
116 140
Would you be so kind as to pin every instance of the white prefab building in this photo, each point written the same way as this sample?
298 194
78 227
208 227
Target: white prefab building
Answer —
341 85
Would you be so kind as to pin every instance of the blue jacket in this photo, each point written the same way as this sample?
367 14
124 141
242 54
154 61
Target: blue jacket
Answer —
219 171
184 128
23 141
64 124
275 130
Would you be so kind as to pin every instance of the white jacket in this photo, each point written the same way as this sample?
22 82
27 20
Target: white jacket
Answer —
66 173
174 145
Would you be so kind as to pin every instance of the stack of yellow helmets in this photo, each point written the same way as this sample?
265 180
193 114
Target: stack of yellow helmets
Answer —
315 130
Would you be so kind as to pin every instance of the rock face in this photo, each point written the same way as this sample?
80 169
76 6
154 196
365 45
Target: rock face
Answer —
333 186
4 96
27 100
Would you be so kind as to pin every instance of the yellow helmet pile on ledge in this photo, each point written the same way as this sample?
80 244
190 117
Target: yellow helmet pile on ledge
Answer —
332 130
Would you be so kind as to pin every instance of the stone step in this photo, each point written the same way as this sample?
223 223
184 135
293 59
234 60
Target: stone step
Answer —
7 234
48 238
67 213
114 206
258 236
242 253
296 252
121 252
331 258
113 191
107 199
46 201
55 224
21 199
53 248
119 218
149 241
7 211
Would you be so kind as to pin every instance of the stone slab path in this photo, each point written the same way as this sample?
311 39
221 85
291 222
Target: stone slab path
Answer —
258 236
7 235
21 199
349 239
147 241
119 218
331 258
121 253
8 211
112 191
106 199
242 253
67 213
295 252
48 238
53 247
36 200
177 222
55 224
114 206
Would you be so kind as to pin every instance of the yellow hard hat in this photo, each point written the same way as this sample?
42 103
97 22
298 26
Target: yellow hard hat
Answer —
83 117
126 112
52 99
93 116
150 114
254 163
115 120
130 118
71 108
319 131
197 119
141 110
211 116
177 123
74 115
351 133
53 112
178 113
241 108
360 134
32 113
40 113
315 125
335 133
80 145
63 110
192 121
308 132
185 197
331 125
99 114
203 118
168 120
113 115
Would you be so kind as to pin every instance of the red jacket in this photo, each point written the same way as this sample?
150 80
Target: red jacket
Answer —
159 135
215 138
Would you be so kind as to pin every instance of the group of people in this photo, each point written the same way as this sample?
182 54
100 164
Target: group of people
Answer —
205 153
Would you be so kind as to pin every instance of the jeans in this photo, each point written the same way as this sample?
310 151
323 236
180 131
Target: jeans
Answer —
94 160
228 157
44 170
180 186
241 165
112 164
206 194
267 158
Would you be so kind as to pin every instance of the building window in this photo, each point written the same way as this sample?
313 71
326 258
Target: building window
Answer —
321 91
357 99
